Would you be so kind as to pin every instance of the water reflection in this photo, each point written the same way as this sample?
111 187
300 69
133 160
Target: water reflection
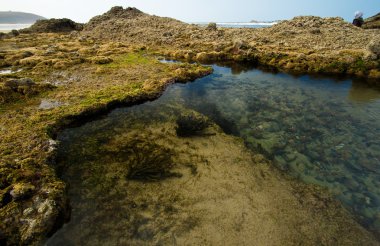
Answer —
363 93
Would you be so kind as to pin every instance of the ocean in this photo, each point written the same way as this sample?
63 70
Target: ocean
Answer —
8 27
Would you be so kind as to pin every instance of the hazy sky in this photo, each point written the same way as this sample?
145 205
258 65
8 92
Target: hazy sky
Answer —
198 10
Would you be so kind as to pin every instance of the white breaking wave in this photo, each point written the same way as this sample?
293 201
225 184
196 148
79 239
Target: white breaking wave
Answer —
238 24
246 23
13 26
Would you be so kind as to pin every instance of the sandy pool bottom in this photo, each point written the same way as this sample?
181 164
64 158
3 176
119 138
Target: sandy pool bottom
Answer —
221 194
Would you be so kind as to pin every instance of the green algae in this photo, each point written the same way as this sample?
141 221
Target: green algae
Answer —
191 125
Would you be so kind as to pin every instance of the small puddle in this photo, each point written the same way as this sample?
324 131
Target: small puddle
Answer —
49 104
10 71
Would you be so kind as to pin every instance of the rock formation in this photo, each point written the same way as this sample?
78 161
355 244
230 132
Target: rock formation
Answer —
306 44
52 26
372 22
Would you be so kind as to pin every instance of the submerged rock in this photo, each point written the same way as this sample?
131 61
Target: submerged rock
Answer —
191 125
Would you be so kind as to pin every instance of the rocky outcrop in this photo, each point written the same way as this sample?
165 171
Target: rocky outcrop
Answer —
372 22
53 26
115 13
306 44
17 89
133 25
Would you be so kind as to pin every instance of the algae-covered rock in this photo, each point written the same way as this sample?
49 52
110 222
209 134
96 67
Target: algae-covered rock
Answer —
114 13
372 22
53 26
374 47
210 56
15 83
191 125
15 89
22 190
30 61
15 33
101 60
212 26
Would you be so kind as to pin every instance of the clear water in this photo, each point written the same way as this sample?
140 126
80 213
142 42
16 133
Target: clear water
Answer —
321 130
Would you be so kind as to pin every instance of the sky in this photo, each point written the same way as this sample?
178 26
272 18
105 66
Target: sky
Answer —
198 10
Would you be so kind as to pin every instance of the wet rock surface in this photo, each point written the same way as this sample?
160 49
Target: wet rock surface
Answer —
191 125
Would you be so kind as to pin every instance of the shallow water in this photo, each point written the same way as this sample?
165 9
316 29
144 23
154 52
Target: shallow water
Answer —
323 131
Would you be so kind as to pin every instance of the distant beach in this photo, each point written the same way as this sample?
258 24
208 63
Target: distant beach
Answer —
9 27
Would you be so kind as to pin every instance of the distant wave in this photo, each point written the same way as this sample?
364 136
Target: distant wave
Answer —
238 24
7 27
246 23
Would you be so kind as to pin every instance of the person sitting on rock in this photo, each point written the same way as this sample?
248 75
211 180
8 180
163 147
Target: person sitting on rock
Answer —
358 21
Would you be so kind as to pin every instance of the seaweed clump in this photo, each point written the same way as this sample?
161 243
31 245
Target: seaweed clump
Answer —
21 88
149 161
191 125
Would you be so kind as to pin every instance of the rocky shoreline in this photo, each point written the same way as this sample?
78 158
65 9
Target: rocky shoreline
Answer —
113 62
305 44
